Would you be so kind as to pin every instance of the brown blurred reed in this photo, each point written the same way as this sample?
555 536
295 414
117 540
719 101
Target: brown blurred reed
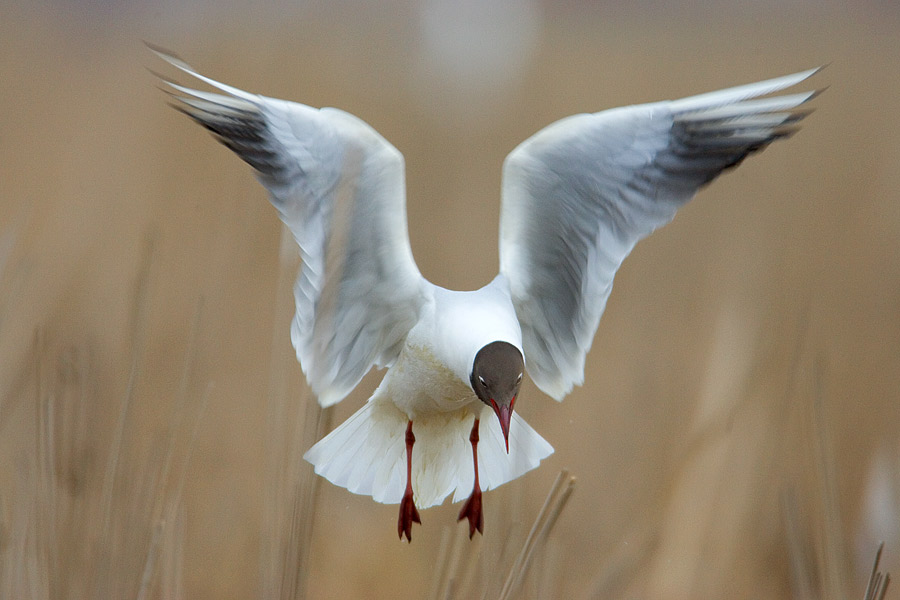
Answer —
153 419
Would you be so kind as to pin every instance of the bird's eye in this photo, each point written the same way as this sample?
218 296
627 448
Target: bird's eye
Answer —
519 379
481 379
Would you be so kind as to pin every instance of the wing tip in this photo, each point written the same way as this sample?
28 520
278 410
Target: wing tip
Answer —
168 56
173 59
559 388
816 93
755 92
804 75
798 77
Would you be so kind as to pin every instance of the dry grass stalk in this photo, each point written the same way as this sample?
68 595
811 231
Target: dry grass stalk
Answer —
631 558
80 531
464 565
824 575
439 581
878 582
551 570
164 505
150 562
278 435
172 554
472 571
451 584
121 542
45 505
832 545
304 498
465 568
554 504
294 422
136 335
801 566
169 504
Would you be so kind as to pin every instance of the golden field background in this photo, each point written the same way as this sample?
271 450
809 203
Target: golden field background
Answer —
737 434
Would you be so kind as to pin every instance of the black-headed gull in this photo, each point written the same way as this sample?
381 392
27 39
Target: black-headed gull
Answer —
577 196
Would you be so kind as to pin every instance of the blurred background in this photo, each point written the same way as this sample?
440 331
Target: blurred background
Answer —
738 433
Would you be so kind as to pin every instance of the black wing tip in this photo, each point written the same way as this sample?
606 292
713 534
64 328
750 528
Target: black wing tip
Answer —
180 107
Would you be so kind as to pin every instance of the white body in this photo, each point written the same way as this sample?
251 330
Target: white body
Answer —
428 384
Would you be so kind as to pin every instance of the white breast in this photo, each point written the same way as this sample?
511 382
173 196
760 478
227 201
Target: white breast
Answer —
431 375
420 385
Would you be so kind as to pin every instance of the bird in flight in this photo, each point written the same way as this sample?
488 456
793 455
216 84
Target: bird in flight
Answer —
576 197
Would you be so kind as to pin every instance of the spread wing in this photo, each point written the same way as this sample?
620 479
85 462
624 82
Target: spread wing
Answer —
579 194
339 187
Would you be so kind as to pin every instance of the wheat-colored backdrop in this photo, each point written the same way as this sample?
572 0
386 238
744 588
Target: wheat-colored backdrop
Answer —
737 434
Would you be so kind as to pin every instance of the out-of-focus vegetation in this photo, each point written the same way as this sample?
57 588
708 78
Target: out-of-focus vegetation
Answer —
737 434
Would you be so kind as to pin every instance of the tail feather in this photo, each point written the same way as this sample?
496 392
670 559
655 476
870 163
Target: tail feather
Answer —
495 467
346 445
367 454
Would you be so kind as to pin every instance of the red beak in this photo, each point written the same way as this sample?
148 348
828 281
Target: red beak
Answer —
504 413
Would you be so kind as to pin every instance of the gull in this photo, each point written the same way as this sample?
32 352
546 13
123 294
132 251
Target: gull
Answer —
576 198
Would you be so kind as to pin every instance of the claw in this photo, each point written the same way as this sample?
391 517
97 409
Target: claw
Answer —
472 510
408 515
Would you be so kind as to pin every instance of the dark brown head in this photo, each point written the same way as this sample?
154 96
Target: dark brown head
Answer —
496 376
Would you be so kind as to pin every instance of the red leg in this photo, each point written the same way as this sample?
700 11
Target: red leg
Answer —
472 508
408 512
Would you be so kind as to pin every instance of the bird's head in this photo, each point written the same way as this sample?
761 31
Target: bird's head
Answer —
496 377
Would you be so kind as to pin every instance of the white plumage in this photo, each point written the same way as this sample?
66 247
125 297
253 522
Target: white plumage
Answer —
365 454
427 383
577 196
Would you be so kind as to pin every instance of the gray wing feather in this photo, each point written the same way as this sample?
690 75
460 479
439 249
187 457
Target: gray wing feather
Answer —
579 194
339 187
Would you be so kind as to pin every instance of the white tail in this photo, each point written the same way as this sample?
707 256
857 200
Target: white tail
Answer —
367 454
